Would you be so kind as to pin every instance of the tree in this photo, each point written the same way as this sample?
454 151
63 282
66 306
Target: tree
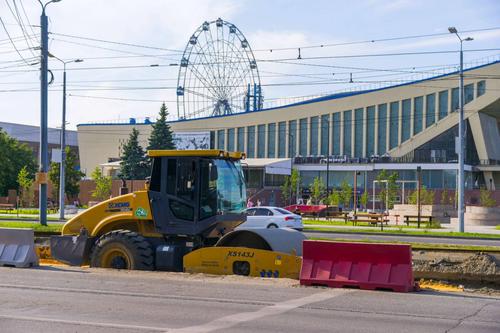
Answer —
364 199
345 194
289 187
72 175
162 136
285 190
103 185
134 161
317 188
334 199
14 156
485 198
26 188
389 191
426 197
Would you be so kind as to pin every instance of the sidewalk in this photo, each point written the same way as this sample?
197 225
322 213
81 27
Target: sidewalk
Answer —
444 228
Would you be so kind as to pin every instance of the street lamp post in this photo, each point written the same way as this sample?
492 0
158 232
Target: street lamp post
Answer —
62 166
44 149
461 132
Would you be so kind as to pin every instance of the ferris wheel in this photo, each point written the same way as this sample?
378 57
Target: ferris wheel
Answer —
218 74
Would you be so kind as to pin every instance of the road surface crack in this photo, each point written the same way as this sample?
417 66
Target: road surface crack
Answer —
461 320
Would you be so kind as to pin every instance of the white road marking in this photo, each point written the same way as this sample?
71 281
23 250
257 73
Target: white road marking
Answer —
85 323
272 310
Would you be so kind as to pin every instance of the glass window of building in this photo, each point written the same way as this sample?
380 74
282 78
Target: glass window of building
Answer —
336 133
455 99
261 137
271 140
394 125
468 93
292 143
241 139
418 114
212 140
358 132
481 88
303 136
406 121
313 141
382 129
220 139
430 115
443 104
282 139
347 132
370 130
230 139
325 134
251 141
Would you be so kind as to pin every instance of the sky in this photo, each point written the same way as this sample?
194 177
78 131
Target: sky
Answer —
117 81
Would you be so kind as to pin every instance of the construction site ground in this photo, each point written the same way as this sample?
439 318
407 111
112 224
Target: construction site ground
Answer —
57 298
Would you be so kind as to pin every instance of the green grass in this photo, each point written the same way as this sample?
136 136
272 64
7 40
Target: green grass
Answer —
421 246
28 211
342 223
406 232
34 217
35 226
497 227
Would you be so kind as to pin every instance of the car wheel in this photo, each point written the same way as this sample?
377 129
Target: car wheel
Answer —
272 226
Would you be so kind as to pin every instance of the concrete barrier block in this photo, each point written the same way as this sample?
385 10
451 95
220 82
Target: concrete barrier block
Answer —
17 248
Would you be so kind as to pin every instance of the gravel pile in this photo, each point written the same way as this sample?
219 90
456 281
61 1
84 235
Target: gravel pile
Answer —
477 267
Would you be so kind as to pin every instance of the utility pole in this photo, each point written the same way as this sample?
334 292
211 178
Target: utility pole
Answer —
461 132
44 149
62 166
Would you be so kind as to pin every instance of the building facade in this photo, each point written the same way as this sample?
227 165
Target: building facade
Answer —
394 128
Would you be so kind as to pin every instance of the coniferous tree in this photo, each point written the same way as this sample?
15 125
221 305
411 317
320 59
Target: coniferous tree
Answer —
161 136
134 162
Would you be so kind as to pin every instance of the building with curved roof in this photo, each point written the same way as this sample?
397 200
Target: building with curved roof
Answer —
394 128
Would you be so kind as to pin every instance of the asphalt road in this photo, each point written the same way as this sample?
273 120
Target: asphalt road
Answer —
400 238
61 299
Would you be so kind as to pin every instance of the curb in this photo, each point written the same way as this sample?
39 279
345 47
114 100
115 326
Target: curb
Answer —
399 235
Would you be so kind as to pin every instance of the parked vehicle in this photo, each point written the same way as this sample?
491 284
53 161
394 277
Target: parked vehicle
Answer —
271 217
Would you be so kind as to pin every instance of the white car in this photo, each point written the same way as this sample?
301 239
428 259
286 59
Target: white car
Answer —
271 217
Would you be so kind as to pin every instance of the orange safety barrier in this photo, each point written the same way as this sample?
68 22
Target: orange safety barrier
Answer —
360 265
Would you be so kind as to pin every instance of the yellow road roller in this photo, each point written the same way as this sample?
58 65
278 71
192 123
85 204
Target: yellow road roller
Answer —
183 220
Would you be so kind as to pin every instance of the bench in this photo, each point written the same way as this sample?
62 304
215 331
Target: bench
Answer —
342 215
373 219
414 219
7 207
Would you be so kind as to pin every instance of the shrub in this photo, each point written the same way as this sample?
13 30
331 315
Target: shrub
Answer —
485 198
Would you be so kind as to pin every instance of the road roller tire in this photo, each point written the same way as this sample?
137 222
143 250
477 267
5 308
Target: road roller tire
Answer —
122 249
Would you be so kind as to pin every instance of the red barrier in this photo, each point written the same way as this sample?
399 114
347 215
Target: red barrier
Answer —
362 265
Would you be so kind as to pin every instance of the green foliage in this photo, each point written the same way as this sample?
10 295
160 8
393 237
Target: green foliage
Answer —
334 198
14 156
434 224
317 189
161 135
388 192
134 161
485 198
285 190
364 199
26 187
445 197
37 227
345 194
102 185
426 197
289 187
72 175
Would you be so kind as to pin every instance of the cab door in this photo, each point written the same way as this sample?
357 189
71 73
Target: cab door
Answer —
174 207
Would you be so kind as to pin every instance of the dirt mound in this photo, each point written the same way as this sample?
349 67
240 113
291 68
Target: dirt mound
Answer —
477 267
